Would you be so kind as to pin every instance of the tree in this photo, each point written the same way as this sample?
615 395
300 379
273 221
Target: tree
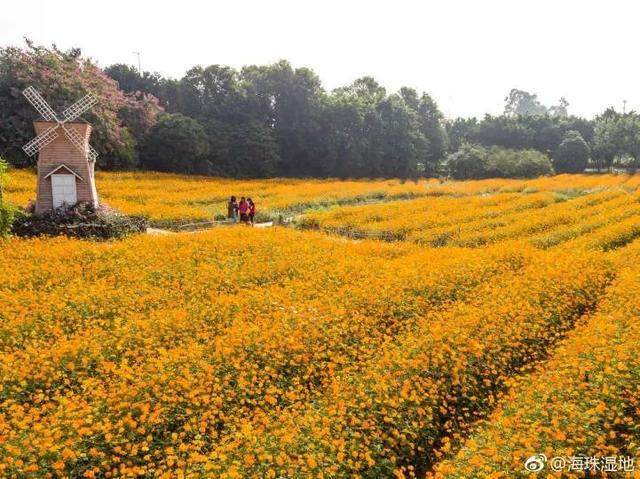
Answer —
523 103
352 126
368 133
470 161
62 78
460 131
431 126
504 131
220 137
342 125
607 140
475 161
213 92
504 163
572 156
560 110
255 151
550 130
617 139
395 142
131 81
290 101
138 113
262 120
366 88
540 132
176 143
125 153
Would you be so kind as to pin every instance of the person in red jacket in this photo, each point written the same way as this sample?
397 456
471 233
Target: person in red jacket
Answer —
243 207
252 210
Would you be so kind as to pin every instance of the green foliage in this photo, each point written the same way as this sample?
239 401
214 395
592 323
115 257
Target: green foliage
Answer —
175 143
543 133
475 161
133 82
254 150
343 122
276 119
505 132
431 122
572 156
7 215
4 175
470 161
617 139
7 212
504 163
290 102
395 142
461 131
125 154
139 113
522 103
560 110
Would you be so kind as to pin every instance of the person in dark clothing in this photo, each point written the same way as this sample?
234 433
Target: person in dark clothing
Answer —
252 210
232 210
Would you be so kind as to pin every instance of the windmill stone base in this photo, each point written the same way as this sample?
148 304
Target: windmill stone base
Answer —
65 174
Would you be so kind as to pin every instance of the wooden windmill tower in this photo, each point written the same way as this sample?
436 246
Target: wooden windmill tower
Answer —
66 162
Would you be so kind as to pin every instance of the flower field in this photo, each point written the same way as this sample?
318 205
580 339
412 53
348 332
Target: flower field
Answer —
498 320
545 216
584 400
169 200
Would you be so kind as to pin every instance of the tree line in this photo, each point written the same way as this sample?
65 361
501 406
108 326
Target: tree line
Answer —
275 119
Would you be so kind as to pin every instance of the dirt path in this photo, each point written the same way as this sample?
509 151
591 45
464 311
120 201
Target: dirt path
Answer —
158 232
162 232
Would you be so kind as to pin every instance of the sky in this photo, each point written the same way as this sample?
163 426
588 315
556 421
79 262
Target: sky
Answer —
467 54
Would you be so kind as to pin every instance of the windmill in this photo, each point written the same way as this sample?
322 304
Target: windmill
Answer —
66 162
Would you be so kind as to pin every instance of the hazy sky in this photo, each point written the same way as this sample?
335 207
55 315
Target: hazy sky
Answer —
467 54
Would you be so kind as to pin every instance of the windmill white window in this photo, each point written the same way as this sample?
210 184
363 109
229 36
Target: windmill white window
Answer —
64 186
64 190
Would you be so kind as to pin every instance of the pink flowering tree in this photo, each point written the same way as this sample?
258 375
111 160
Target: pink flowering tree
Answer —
62 78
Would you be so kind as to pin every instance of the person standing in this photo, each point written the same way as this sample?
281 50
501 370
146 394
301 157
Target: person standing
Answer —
252 210
243 207
232 210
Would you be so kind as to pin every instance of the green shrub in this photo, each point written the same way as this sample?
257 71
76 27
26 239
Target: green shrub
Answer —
505 163
7 212
469 162
475 161
7 215
80 221
176 143
572 156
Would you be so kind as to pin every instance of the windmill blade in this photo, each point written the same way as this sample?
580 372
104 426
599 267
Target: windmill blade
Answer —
93 154
77 140
40 141
39 104
79 107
